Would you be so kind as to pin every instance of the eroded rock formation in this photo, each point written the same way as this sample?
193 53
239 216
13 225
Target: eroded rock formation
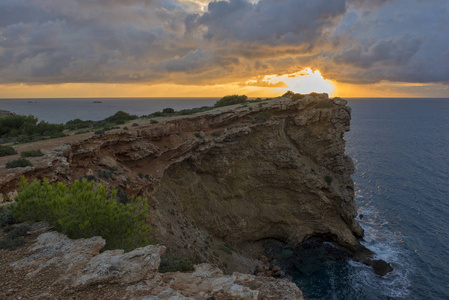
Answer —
74 266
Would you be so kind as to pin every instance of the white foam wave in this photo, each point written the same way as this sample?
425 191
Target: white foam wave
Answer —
386 245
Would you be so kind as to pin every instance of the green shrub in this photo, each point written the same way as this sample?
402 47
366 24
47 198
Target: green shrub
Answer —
231 100
125 128
17 125
17 231
154 121
168 110
11 244
100 131
120 117
225 249
7 150
328 179
293 96
216 133
18 163
82 210
135 125
174 263
6 217
32 153
262 117
14 237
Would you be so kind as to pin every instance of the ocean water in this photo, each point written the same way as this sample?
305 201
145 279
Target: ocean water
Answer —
63 110
400 148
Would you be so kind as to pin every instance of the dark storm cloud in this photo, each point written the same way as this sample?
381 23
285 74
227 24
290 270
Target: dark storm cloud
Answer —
270 22
388 53
56 41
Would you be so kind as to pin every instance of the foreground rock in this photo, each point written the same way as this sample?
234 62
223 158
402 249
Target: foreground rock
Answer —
77 265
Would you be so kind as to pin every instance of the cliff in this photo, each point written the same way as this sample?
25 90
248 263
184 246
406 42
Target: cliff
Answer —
226 182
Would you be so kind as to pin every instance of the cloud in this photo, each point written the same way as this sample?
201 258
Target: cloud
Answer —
211 42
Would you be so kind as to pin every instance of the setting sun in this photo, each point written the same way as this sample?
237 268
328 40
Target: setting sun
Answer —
305 81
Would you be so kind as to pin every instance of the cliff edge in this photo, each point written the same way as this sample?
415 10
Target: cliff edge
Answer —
224 183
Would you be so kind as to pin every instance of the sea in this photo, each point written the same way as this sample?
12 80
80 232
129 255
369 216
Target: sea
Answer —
400 149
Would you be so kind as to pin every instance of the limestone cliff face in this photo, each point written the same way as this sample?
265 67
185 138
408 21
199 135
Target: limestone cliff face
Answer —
237 176
286 179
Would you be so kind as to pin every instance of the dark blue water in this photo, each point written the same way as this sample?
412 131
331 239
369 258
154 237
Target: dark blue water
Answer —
63 110
400 148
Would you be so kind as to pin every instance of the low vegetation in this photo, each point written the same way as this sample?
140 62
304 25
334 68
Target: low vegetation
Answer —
20 129
7 150
293 96
82 210
18 163
173 263
32 153
262 117
118 118
14 237
231 100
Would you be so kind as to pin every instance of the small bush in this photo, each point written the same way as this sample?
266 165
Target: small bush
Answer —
7 150
14 238
101 131
293 96
104 174
216 133
262 117
83 210
173 263
135 125
120 117
17 231
168 110
125 128
328 179
18 163
6 217
225 249
154 121
198 135
231 100
32 153
12 244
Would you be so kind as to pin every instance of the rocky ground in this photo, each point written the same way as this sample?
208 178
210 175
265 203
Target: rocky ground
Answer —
51 266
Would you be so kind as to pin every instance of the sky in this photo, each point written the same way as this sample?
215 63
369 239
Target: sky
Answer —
201 48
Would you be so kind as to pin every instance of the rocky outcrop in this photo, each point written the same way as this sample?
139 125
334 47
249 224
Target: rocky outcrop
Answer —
5 113
226 182
78 265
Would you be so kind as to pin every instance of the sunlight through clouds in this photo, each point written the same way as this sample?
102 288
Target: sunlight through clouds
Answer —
305 81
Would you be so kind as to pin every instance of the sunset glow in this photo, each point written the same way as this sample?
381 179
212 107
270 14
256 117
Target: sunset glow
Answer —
304 82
